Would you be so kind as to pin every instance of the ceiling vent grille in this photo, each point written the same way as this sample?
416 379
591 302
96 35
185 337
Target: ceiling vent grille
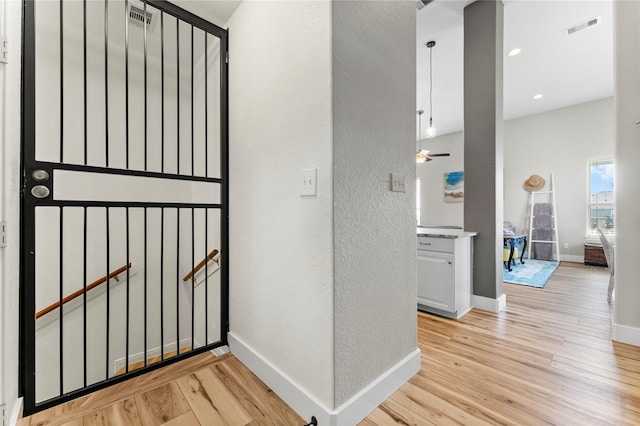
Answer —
583 25
137 16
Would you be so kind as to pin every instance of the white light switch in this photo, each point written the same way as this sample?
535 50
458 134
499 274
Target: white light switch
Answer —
4 50
308 182
397 183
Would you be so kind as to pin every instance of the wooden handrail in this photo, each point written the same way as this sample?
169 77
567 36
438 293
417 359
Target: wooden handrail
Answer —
200 265
80 292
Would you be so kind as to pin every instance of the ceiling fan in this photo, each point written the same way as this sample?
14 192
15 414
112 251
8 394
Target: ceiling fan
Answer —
422 3
424 155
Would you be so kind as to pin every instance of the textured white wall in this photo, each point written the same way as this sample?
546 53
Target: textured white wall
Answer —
10 202
627 56
559 142
281 251
375 272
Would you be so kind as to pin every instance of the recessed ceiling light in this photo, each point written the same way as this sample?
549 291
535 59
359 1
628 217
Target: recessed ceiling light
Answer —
538 96
514 52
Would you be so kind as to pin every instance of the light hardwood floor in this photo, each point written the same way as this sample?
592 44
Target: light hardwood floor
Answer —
548 359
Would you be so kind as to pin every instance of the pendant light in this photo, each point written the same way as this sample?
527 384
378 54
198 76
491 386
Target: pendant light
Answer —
422 154
431 130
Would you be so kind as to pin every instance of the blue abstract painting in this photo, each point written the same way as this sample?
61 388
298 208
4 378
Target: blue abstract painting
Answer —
453 187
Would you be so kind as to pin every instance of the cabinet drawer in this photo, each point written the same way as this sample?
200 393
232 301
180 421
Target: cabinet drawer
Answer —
436 244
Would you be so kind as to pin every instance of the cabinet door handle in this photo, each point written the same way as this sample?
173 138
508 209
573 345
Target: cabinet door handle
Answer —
424 244
449 262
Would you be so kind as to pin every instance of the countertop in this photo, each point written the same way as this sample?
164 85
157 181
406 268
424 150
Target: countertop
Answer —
444 232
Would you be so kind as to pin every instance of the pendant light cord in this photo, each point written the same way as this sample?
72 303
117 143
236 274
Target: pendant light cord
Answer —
430 84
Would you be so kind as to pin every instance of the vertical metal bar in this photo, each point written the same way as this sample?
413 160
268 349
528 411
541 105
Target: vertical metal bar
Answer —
61 81
224 171
61 295
162 92
206 173
193 277
27 294
84 300
145 285
178 96
206 106
144 27
106 84
84 65
108 284
177 281
192 106
127 298
162 284
206 279
126 82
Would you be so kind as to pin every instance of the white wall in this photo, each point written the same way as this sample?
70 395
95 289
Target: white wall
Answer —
559 142
322 288
10 26
281 251
627 82
374 229
433 210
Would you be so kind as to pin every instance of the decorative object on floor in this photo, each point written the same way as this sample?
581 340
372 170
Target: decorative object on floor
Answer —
534 273
608 253
453 187
543 221
534 183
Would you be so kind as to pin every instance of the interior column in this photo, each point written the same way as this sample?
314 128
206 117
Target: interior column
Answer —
483 146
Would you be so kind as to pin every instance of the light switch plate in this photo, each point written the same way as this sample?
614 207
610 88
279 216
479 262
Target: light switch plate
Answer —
397 183
4 50
308 185
3 233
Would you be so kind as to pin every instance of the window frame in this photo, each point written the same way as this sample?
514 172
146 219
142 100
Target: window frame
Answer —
591 232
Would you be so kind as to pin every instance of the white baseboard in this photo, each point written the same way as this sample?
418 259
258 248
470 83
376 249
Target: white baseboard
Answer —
571 258
488 304
625 334
16 412
349 413
137 357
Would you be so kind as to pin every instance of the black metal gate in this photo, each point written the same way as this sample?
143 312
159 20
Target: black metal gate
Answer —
124 209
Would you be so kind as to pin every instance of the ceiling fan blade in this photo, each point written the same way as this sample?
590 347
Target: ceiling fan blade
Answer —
422 3
444 154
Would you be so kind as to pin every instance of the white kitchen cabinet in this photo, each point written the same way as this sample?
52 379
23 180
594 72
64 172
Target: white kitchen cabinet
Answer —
444 265
436 268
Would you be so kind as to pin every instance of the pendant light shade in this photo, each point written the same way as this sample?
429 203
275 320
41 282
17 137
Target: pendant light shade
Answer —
421 154
431 130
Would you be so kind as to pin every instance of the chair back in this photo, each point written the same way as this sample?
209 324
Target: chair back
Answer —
608 249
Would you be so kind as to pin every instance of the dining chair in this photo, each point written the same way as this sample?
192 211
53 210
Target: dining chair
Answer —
609 255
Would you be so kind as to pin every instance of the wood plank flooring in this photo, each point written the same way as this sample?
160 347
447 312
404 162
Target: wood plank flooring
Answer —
548 359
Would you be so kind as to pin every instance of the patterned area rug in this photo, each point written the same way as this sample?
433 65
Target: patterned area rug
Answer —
534 273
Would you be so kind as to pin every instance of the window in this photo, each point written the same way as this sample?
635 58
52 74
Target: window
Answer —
602 196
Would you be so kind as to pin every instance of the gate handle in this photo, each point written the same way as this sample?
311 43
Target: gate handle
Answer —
40 191
40 175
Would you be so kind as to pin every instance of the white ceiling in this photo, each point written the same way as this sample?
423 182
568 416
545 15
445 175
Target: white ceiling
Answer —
215 11
567 70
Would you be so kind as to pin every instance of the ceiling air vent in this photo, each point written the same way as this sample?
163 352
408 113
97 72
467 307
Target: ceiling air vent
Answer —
583 25
137 16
